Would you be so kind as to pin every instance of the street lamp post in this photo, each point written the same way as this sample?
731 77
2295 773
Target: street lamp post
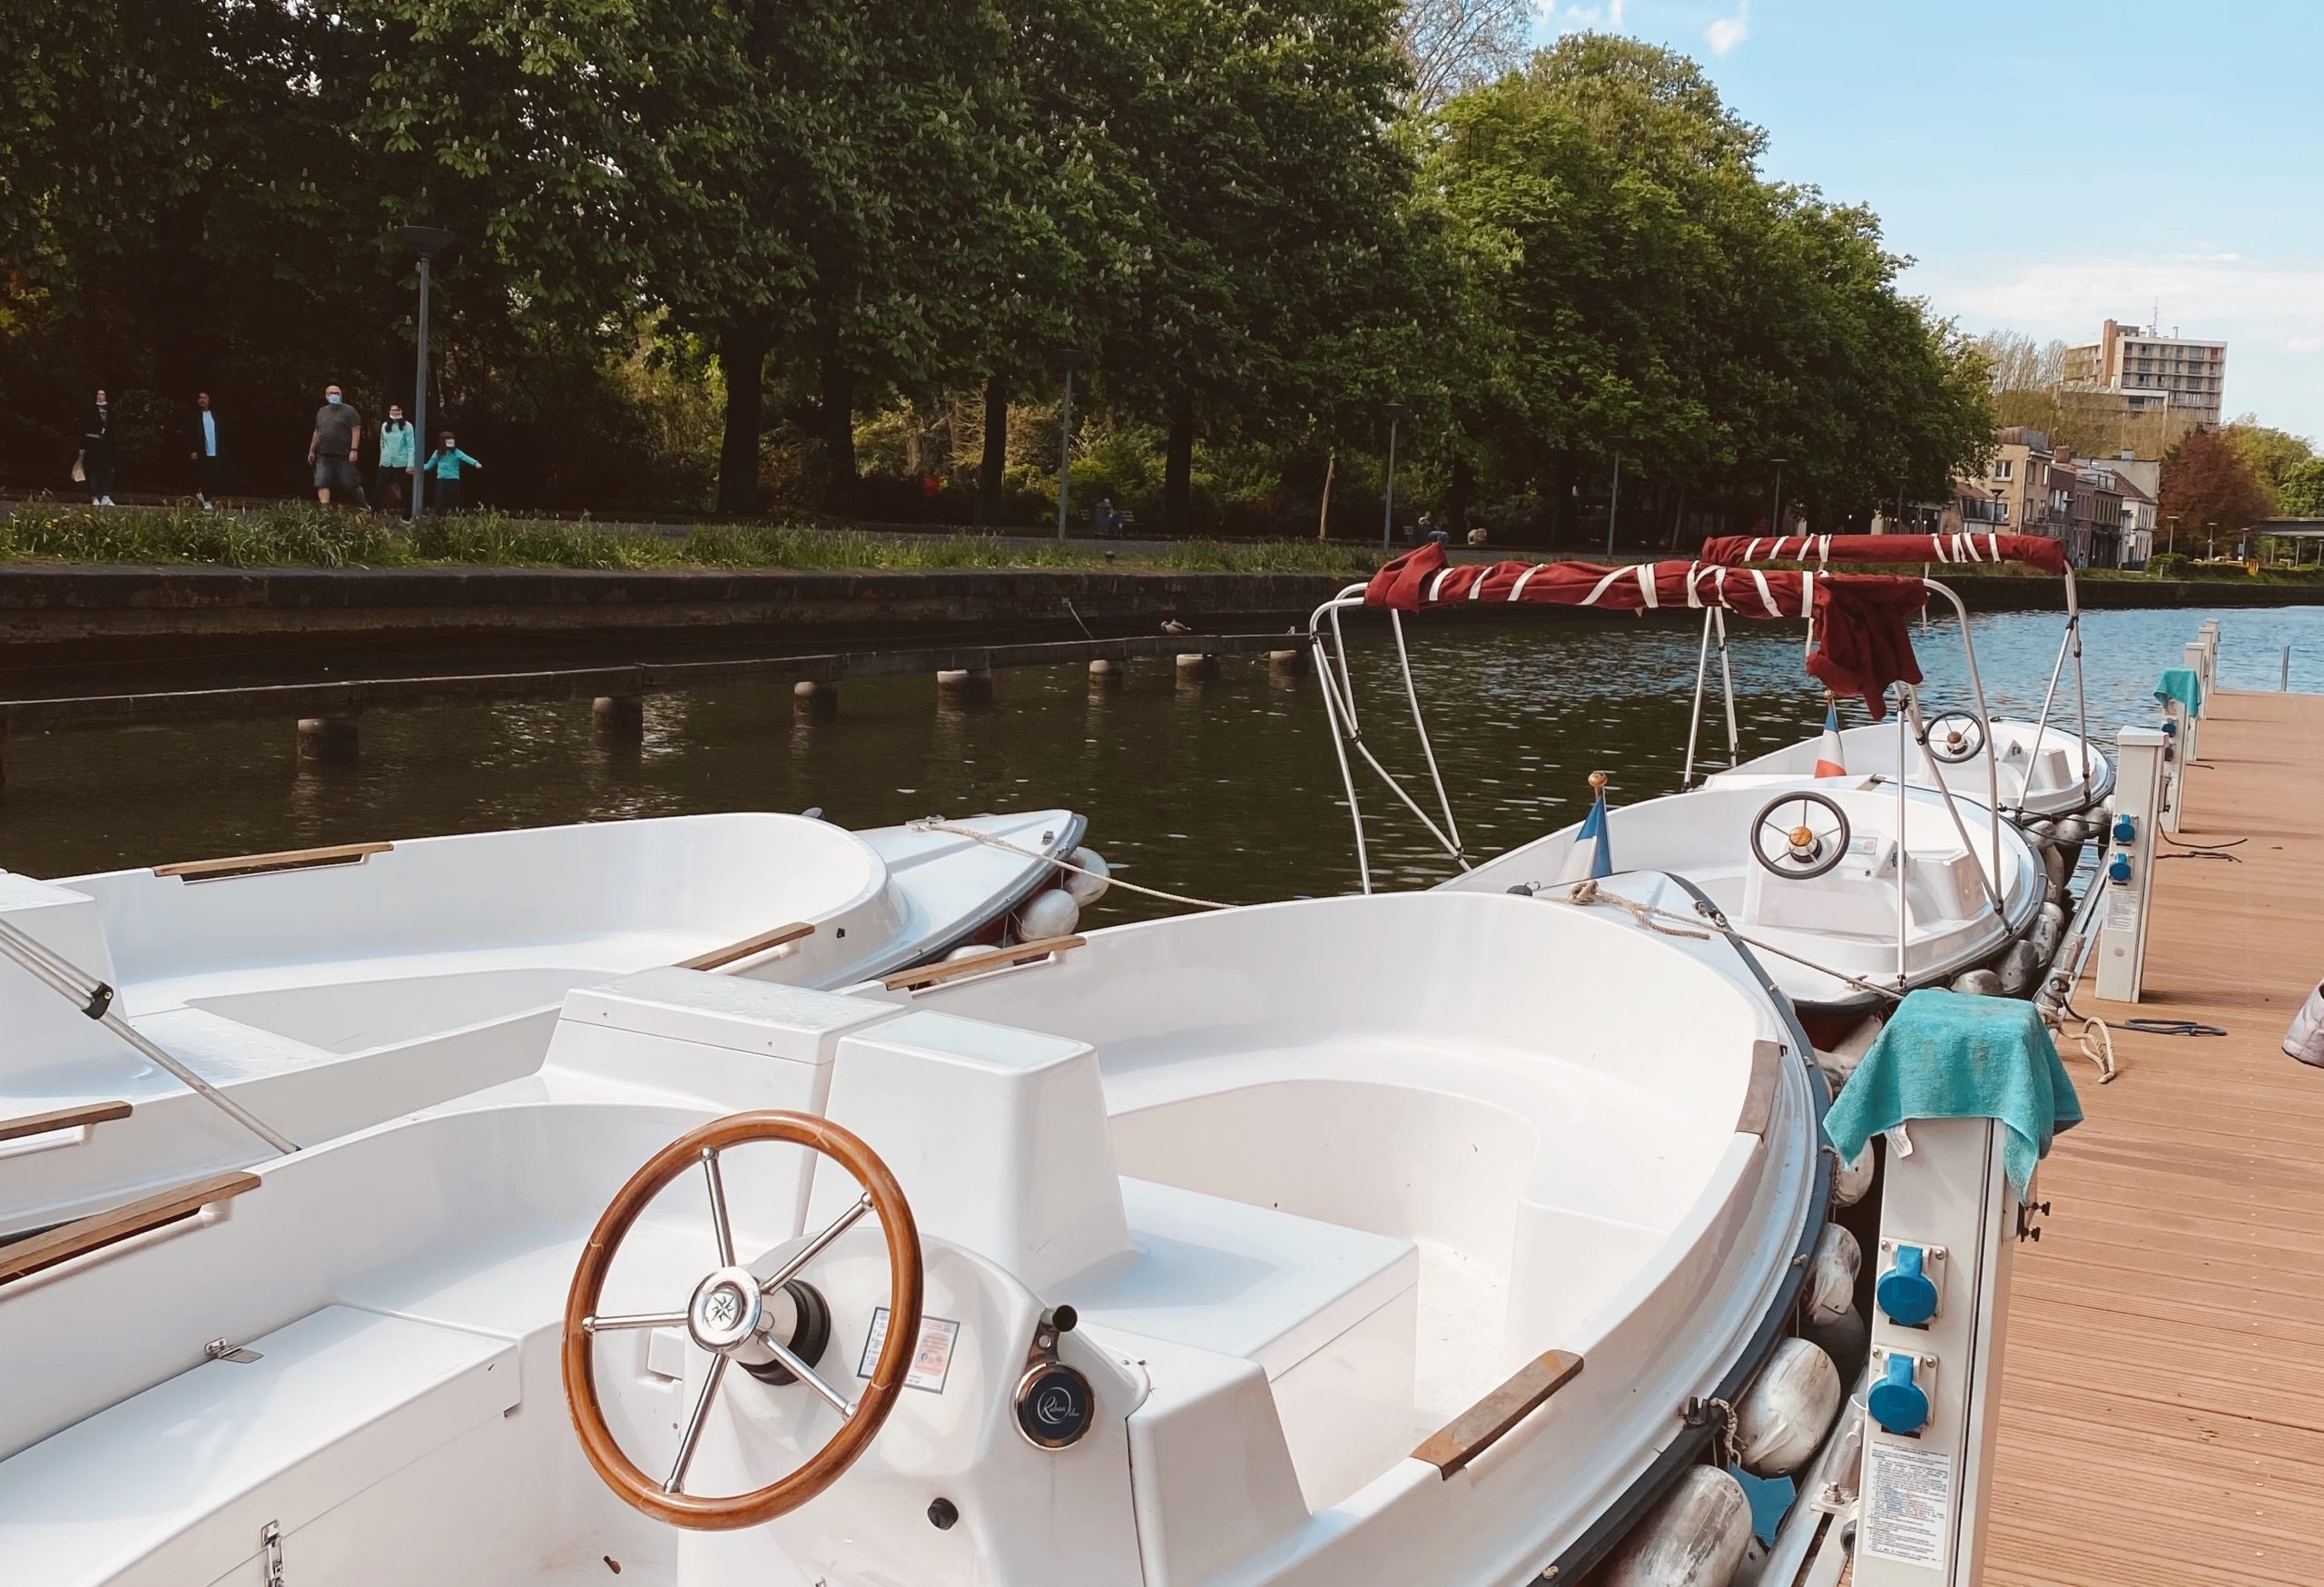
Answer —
2210 541
1395 412
426 242
1067 359
2171 538
1775 514
1614 502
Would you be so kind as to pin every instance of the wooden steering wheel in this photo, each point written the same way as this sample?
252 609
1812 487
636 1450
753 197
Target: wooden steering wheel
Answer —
733 1311
1955 737
1810 843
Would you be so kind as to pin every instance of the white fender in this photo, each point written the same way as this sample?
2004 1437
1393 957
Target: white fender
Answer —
1694 1538
1782 1417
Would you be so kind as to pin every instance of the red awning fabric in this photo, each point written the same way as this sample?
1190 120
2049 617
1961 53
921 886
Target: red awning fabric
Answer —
1863 642
2035 551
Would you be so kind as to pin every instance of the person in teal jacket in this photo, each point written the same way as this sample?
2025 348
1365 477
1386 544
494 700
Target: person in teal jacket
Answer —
392 486
444 465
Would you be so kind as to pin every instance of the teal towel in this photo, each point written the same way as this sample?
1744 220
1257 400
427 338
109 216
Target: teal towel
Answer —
1945 1055
2181 684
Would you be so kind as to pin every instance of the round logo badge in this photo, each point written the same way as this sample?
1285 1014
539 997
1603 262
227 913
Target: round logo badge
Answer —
1054 1407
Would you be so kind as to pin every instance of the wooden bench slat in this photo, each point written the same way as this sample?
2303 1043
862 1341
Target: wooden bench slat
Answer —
952 969
262 864
100 1229
718 958
1484 1424
80 1118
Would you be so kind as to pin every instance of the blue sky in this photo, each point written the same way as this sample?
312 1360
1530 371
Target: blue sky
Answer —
2054 162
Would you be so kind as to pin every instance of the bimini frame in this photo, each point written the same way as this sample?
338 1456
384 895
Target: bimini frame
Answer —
1739 551
1328 639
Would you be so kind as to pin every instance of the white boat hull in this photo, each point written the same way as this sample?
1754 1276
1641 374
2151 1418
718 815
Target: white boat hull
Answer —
1317 1176
1828 942
326 999
2043 773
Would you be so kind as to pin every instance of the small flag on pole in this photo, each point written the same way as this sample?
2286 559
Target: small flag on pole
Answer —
1828 751
1592 856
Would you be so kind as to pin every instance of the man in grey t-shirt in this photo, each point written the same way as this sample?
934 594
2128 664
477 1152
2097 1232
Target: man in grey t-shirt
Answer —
339 431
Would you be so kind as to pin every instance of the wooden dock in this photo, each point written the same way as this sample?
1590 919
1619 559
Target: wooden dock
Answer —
2163 1406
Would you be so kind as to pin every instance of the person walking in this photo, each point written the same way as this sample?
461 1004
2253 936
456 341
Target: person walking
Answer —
100 458
444 466
331 451
397 474
208 460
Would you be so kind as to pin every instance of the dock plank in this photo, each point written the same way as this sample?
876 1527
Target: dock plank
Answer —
2162 1397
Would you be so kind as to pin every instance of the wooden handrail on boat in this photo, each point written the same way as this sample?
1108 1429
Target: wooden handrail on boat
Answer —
265 864
1485 1424
1758 1108
719 958
1049 948
99 1229
86 1116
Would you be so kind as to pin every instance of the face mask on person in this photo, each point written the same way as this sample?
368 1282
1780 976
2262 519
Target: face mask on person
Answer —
331 397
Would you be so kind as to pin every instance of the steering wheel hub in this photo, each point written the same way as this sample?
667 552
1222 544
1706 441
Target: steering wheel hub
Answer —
726 1310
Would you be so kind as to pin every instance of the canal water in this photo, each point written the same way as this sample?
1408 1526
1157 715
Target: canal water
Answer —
1226 790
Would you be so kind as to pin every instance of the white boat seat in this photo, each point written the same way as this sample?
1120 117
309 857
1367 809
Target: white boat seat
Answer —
1294 1284
1329 1314
173 1486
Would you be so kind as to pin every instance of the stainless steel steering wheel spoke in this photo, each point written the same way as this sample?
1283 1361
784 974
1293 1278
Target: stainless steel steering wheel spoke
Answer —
634 1320
693 1434
720 1226
807 1375
816 1246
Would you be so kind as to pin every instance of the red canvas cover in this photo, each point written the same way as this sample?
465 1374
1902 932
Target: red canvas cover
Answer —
1863 641
2038 552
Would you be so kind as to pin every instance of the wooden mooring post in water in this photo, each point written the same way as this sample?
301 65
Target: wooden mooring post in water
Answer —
326 713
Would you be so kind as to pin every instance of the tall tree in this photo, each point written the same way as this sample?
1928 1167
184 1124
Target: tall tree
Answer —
1452 45
2272 454
2210 488
1266 137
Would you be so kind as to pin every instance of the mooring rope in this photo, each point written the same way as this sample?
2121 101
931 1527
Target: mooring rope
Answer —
1646 914
938 823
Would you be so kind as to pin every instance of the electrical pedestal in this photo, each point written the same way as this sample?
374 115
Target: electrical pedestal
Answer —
1949 1224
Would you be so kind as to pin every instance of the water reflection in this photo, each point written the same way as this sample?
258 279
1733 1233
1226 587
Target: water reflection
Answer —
1224 789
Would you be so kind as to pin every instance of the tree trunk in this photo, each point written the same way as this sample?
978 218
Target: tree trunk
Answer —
1456 499
836 416
742 359
1679 518
1178 469
1323 513
995 462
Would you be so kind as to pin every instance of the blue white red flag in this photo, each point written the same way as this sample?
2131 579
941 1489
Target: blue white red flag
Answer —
1593 855
1828 750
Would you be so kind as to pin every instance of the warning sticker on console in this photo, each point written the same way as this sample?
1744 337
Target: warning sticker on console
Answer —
1907 1504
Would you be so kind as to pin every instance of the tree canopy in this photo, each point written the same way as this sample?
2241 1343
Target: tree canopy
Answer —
2208 487
701 237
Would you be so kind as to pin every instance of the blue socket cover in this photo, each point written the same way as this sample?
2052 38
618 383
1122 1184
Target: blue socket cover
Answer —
2118 870
2170 728
1896 1401
1906 1294
2125 829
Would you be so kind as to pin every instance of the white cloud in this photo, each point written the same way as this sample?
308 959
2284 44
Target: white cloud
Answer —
1614 9
2270 316
1730 31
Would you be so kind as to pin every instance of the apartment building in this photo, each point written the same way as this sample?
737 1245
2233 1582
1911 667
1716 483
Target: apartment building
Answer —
2018 479
2150 372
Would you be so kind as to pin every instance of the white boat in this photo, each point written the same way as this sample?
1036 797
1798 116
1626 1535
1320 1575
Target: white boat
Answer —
1854 889
1356 1241
317 993
2040 770
1851 890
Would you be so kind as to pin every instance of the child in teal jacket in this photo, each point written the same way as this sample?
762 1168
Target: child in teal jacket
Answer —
444 465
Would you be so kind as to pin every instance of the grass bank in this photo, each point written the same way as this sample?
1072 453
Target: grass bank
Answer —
304 535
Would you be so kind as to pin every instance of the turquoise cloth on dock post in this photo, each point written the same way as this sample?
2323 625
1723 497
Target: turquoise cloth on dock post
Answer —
2181 684
1948 1055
